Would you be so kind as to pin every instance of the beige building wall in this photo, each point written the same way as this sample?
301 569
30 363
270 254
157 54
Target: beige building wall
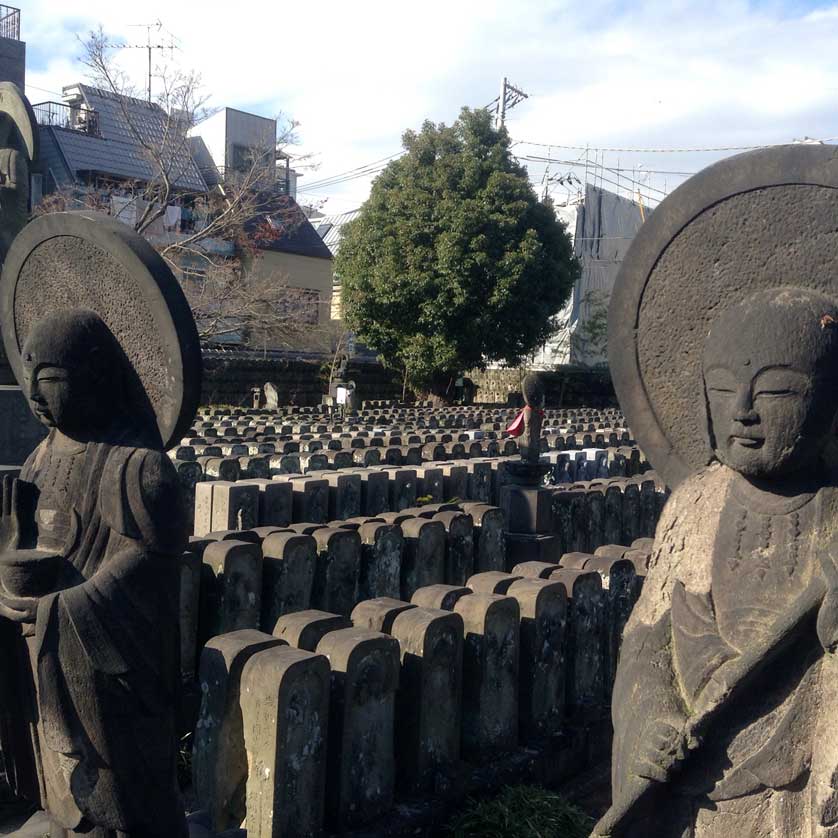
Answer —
299 272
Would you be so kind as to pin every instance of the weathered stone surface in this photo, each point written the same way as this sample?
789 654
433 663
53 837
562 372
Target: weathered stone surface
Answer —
361 760
375 489
235 506
275 501
378 614
455 481
402 488
285 709
429 701
621 582
491 582
423 559
189 610
288 568
732 637
527 510
543 671
490 673
382 547
489 538
344 495
311 499
479 481
441 597
233 600
338 570
430 483
586 641
305 629
459 546
219 759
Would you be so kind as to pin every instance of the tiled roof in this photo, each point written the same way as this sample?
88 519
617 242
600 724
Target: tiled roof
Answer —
289 231
118 151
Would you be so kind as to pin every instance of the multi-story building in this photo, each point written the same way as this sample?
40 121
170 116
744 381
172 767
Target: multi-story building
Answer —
104 150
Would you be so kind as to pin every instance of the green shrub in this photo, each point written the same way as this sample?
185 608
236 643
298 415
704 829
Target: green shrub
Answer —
522 812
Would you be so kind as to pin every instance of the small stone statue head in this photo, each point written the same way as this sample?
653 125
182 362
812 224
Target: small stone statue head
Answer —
71 367
532 388
771 381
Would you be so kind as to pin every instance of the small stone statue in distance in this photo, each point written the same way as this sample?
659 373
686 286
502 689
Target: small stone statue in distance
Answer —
527 424
92 531
726 694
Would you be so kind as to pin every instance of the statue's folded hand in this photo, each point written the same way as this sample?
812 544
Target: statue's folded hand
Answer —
662 748
23 611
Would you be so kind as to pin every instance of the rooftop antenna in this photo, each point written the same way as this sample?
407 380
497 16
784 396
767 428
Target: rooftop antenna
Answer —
158 27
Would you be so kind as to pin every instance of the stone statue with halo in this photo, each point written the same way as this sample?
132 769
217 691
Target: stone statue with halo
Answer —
101 339
723 343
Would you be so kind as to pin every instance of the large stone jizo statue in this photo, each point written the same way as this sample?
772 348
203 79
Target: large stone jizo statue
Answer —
92 530
724 351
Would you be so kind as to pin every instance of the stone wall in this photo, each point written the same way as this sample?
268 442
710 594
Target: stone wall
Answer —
230 376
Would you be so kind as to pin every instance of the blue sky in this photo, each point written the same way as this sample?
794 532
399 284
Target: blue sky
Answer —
678 74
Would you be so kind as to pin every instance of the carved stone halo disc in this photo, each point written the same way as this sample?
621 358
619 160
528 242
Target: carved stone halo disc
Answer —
758 220
86 260
15 106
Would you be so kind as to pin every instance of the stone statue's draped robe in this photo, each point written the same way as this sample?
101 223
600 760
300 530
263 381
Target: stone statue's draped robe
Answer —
103 657
723 571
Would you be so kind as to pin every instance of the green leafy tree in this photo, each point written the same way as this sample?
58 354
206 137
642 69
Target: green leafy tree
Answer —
453 262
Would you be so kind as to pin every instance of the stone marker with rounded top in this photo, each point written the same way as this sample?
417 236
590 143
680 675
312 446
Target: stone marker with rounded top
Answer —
337 570
234 600
288 567
541 700
285 709
442 597
378 614
429 701
361 759
490 674
305 629
587 649
459 546
423 558
382 547
489 538
219 760
275 501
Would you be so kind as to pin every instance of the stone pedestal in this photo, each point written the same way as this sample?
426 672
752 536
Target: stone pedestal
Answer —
528 510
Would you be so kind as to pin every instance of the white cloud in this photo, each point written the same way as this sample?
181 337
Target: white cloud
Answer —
680 74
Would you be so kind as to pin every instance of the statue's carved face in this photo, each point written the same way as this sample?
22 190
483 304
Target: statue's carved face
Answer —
66 361
760 417
50 394
769 376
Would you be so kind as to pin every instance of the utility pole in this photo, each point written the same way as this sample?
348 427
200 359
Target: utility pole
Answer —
509 97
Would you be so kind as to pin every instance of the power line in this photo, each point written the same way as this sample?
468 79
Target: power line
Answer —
358 171
579 163
656 150
44 90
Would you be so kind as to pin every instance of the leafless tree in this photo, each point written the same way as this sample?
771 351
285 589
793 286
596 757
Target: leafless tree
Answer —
233 220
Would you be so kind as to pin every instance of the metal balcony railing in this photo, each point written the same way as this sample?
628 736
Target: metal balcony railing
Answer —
10 23
60 115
